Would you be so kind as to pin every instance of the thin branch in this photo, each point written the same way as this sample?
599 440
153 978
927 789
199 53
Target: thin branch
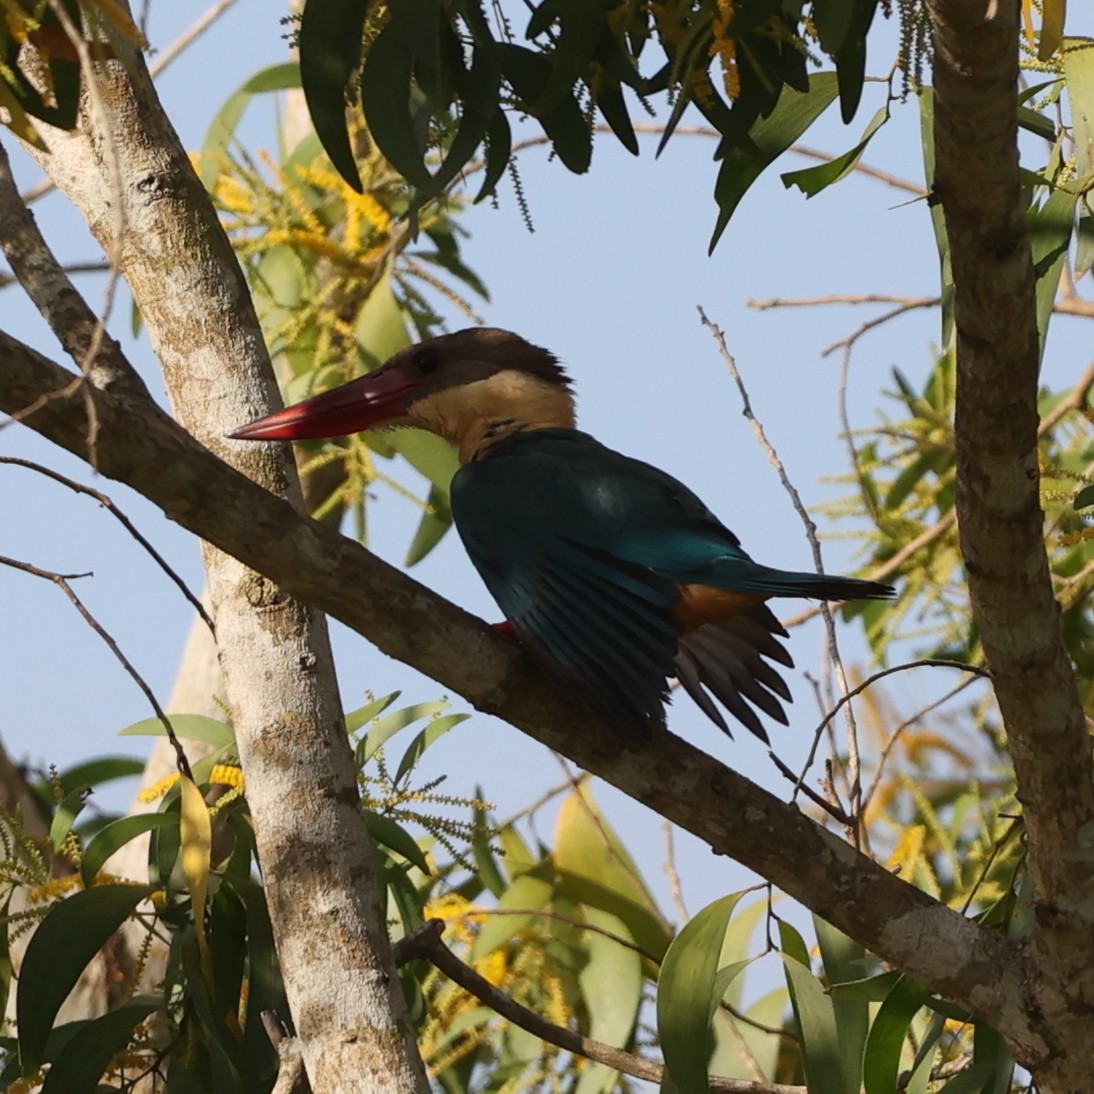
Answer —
831 807
818 562
194 31
976 670
425 942
126 523
62 580
60 303
896 734
671 874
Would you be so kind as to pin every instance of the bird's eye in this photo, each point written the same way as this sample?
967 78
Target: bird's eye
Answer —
426 361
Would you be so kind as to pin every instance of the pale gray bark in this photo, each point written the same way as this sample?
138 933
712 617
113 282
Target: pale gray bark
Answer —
128 175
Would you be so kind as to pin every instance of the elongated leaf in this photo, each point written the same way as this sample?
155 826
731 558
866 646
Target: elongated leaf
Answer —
102 769
812 180
1078 60
611 985
191 727
851 57
88 1052
432 733
392 835
117 834
386 727
529 891
330 48
1050 234
223 126
67 812
771 137
70 935
844 960
363 715
385 98
1052 28
816 1018
1084 498
686 996
885 1044
594 868
435 522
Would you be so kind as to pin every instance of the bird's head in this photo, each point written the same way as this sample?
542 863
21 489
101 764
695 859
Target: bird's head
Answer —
472 388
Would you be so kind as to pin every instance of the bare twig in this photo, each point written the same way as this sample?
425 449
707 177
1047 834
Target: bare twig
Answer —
126 523
670 872
194 31
830 805
425 942
890 744
62 580
977 670
818 561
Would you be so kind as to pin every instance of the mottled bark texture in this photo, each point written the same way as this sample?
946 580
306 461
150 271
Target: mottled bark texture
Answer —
126 172
1001 524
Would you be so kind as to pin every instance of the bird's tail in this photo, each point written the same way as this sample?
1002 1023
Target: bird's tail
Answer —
766 581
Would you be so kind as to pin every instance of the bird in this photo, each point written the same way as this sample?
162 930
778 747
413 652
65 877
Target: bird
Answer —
611 573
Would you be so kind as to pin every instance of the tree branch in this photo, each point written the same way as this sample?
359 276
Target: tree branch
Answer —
142 447
998 506
426 943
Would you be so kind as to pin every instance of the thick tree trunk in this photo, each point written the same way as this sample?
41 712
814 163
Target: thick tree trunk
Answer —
1001 524
128 175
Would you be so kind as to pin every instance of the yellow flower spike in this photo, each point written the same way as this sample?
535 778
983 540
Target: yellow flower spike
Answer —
227 775
157 789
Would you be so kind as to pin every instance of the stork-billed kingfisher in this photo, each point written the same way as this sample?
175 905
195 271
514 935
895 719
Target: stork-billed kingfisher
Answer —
613 575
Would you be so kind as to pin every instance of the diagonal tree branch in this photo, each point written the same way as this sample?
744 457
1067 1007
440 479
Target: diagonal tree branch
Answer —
140 446
998 503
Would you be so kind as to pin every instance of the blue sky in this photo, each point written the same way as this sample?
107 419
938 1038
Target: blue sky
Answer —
610 280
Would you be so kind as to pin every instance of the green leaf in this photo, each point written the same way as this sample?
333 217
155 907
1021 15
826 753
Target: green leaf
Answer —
330 49
486 865
811 180
885 1044
771 137
1050 229
117 834
611 986
1084 498
1084 251
191 727
67 812
851 57
214 149
70 935
88 1052
816 1018
435 522
529 74
385 98
687 993
393 836
843 959
102 769
594 868
432 733
386 727
363 715
609 99
1078 58
530 891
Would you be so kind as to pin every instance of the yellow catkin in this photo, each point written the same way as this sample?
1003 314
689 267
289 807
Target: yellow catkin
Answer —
157 789
227 775
908 851
724 47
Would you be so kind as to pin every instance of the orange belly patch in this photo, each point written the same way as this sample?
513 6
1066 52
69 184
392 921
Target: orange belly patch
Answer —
699 604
